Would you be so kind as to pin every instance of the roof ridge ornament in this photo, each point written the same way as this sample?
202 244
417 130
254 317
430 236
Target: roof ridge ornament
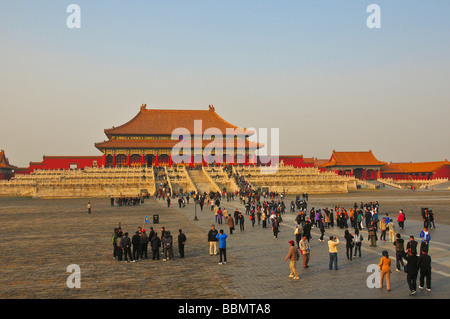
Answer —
143 107
211 108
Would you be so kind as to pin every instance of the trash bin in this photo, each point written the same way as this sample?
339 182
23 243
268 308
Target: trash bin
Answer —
155 219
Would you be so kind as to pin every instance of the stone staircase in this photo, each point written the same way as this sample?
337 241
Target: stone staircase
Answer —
220 179
201 181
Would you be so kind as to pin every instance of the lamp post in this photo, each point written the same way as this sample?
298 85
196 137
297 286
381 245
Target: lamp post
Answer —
196 202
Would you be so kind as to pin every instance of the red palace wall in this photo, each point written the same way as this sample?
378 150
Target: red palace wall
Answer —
444 172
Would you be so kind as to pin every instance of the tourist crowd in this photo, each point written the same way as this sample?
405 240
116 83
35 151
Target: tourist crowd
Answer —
268 208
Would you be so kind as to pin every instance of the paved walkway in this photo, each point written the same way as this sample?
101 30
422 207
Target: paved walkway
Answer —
42 237
256 266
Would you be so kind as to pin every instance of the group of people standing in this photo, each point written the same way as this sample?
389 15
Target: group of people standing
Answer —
136 248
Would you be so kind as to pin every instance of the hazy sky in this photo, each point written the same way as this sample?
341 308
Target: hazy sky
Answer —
313 69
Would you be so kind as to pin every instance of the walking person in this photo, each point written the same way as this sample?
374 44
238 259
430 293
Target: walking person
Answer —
230 223
358 238
385 267
222 237
411 270
298 235
383 227
424 265
253 218
399 252
426 237
321 228
431 218
275 228
293 257
349 244
181 242
412 245
305 250
219 216
391 229
401 219
241 222
332 249
89 208
213 240
307 229
425 217
236 216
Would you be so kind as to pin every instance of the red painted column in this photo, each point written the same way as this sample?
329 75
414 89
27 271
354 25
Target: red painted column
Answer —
170 160
142 160
103 160
114 160
156 160
128 160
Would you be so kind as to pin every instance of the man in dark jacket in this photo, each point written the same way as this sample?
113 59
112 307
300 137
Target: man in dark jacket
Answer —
151 234
181 242
155 242
307 230
399 251
412 245
166 243
126 246
411 270
372 230
212 240
144 244
236 217
136 242
424 264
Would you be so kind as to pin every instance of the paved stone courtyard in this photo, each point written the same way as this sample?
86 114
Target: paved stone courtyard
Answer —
42 237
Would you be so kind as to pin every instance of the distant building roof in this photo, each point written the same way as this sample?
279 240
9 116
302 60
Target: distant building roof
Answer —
4 163
421 167
364 158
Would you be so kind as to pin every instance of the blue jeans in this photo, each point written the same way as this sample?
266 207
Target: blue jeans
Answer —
333 259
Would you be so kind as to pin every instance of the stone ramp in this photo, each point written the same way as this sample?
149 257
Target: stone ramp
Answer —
201 181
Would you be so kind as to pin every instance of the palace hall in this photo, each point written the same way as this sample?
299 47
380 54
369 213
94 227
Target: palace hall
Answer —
148 139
